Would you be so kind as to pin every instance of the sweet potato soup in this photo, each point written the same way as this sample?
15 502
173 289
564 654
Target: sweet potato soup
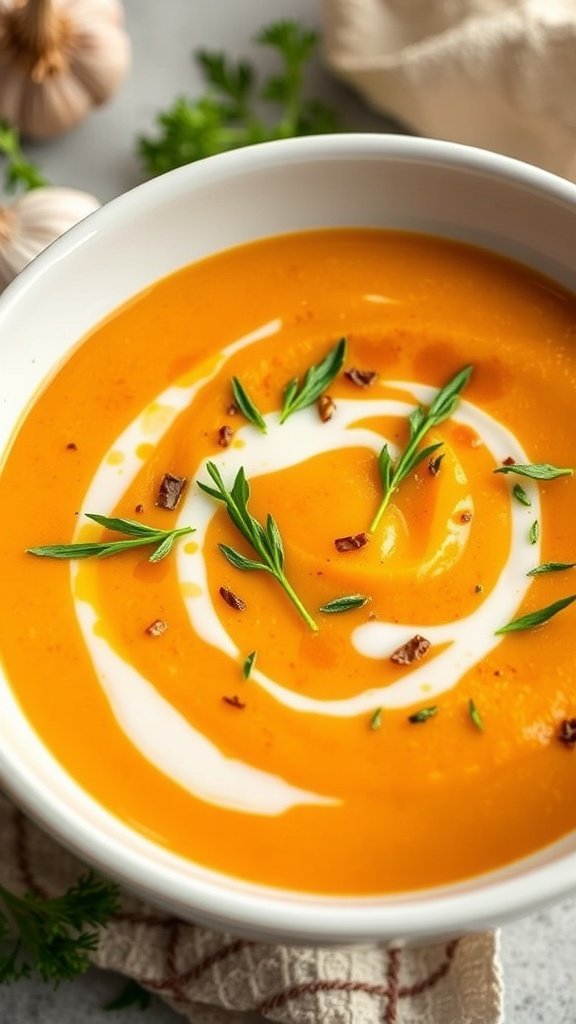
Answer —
330 645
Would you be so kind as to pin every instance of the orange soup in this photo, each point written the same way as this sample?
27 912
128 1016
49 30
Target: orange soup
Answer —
316 656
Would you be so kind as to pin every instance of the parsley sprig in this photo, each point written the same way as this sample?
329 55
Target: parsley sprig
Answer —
265 540
52 936
420 423
143 537
19 171
228 115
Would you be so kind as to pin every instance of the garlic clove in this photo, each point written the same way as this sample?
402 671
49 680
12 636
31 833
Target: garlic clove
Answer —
35 220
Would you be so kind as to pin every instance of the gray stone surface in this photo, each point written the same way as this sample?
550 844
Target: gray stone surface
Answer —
539 953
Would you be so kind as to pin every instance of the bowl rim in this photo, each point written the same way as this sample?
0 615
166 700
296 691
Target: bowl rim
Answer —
272 914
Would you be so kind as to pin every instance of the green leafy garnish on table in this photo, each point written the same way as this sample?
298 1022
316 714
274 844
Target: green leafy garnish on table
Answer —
536 470
420 422
229 116
19 171
316 380
143 537
264 540
538 618
53 937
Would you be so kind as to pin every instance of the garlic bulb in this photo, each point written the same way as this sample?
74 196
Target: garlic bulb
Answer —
34 220
59 58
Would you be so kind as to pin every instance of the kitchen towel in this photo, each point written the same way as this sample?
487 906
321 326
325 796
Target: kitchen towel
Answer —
499 74
213 978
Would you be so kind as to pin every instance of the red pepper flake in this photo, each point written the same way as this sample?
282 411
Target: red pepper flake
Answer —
156 628
171 490
72 446
326 408
509 461
412 650
225 435
139 508
466 517
232 599
567 733
232 409
434 465
358 540
361 378
234 702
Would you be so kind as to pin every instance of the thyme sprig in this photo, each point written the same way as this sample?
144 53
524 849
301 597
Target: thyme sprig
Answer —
420 423
537 618
316 380
344 604
539 570
50 936
143 536
265 540
536 470
246 405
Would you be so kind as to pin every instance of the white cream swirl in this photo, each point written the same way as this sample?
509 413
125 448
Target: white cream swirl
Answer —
158 731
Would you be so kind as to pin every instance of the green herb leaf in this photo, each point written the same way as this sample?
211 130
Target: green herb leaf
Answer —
521 496
420 422
229 115
266 542
131 994
144 536
376 719
248 664
345 604
536 471
49 936
550 567
246 405
19 170
475 715
424 714
316 380
534 532
534 619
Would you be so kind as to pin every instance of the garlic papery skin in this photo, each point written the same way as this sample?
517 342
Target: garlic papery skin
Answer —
37 218
58 59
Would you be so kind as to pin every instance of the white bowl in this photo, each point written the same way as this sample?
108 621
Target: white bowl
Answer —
348 180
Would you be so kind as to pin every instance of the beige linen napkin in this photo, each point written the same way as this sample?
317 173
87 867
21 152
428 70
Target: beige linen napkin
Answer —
500 74
210 978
